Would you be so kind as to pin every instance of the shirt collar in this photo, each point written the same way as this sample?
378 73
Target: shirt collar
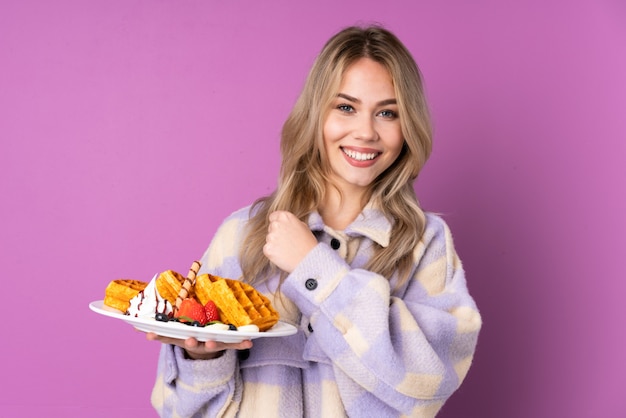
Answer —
371 223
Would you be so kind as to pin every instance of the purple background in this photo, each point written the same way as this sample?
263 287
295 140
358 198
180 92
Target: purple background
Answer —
130 129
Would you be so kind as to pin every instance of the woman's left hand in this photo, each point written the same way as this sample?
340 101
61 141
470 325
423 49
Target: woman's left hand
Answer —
288 240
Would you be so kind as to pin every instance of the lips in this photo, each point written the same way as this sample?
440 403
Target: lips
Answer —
361 159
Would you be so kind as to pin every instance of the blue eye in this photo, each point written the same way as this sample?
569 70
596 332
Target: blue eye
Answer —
388 114
345 108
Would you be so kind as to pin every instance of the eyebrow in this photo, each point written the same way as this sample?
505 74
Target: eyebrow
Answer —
355 100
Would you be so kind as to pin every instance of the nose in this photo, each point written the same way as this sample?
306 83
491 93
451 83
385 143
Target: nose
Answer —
365 128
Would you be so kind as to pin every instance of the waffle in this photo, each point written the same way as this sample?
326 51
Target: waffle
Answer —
238 303
119 292
169 284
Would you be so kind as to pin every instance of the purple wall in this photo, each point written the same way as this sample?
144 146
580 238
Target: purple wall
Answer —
129 129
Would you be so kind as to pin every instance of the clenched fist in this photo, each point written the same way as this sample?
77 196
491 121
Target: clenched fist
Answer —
288 240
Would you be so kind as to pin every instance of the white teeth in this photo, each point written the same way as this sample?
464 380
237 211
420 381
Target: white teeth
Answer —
360 156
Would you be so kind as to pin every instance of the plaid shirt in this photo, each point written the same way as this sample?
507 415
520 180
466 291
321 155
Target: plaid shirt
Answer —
364 347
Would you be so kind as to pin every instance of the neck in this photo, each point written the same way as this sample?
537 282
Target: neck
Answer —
340 210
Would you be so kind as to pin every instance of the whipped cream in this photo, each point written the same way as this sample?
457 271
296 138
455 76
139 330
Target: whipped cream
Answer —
248 328
149 302
217 327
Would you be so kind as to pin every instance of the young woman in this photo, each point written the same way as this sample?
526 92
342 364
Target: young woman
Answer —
386 326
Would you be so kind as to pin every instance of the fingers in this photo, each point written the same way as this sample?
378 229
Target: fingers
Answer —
273 232
288 240
275 220
278 215
281 222
193 345
211 346
244 345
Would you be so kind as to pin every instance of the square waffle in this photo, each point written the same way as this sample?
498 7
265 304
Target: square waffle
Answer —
118 293
238 302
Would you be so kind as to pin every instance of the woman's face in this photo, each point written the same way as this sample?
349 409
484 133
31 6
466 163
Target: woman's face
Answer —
362 133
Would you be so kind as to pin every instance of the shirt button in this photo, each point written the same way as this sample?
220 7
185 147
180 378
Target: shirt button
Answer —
311 284
335 244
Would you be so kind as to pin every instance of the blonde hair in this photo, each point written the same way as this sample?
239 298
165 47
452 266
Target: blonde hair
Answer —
304 172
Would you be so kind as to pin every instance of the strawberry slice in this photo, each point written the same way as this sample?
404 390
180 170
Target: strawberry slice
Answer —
191 310
212 314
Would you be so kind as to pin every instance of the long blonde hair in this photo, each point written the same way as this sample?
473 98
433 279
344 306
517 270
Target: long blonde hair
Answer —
304 172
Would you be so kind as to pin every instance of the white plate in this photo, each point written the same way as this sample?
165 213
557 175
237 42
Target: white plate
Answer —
177 330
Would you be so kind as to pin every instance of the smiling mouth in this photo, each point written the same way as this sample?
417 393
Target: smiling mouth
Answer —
360 156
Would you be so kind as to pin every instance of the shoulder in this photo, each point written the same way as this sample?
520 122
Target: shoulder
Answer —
435 222
240 214
437 231
234 223
247 212
226 243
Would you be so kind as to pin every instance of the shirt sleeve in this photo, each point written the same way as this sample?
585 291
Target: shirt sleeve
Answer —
195 388
404 346
199 388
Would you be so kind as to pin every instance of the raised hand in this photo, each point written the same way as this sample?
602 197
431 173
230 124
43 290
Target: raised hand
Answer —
288 240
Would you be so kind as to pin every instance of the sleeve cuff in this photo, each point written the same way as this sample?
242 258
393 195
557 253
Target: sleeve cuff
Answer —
191 372
315 278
